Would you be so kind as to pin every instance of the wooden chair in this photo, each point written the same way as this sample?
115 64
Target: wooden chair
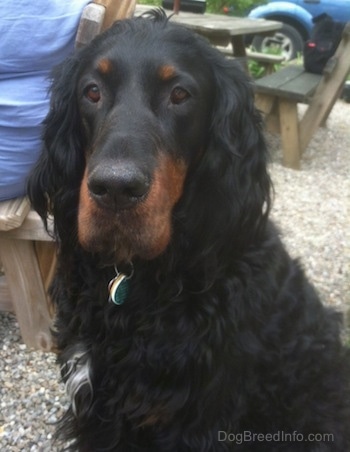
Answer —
27 251
278 95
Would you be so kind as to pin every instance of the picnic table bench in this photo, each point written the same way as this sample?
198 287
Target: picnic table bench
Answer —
278 95
268 61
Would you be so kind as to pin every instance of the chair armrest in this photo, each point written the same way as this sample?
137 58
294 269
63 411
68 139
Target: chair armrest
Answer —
13 212
99 15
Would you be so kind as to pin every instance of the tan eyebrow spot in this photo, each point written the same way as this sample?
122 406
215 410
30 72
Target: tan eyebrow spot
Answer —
104 66
166 72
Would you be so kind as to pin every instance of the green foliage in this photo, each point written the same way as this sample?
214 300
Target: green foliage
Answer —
256 70
235 7
217 6
150 2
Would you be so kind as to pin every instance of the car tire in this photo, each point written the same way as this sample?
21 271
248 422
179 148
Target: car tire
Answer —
288 41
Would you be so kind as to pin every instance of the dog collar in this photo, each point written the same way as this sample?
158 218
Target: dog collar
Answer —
119 286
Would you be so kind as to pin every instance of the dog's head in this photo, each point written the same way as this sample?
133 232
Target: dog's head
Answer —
145 120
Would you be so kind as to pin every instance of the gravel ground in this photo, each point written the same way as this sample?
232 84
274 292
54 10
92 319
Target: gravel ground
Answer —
312 208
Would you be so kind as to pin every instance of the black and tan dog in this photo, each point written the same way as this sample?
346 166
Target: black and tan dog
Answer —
182 323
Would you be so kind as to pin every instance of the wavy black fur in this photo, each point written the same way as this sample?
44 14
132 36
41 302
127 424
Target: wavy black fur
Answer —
221 332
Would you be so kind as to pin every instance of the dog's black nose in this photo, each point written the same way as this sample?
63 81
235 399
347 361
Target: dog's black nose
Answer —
119 187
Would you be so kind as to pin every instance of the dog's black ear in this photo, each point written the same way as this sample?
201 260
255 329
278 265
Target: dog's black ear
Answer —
54 182
239 146
230 187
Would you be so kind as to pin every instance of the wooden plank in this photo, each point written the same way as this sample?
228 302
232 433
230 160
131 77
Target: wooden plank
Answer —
27 292
225 25
268 106
264 57
32 228
239 52
272 120
116 10
268 62
13 212
90 24
302 87
5 297
291 82
46 253
264 103
219 25
289 133
278 79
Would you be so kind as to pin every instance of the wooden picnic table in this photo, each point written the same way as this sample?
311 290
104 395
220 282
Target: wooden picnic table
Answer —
278 95
220 29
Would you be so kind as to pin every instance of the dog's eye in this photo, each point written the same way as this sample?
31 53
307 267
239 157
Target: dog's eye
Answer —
92 93
179 95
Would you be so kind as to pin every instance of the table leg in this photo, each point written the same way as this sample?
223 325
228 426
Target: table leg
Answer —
268 106
239 52
289 133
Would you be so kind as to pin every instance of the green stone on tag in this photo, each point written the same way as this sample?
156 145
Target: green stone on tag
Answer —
119 289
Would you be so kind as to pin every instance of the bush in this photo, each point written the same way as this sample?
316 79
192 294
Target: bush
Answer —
235 7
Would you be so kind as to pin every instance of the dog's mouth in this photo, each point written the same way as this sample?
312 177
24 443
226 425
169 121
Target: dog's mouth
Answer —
144 228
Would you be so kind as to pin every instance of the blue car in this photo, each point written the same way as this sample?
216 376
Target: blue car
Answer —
297 22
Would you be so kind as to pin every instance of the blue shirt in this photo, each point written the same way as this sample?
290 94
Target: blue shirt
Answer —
35 36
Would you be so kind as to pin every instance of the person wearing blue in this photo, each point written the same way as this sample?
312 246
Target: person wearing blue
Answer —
35 36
